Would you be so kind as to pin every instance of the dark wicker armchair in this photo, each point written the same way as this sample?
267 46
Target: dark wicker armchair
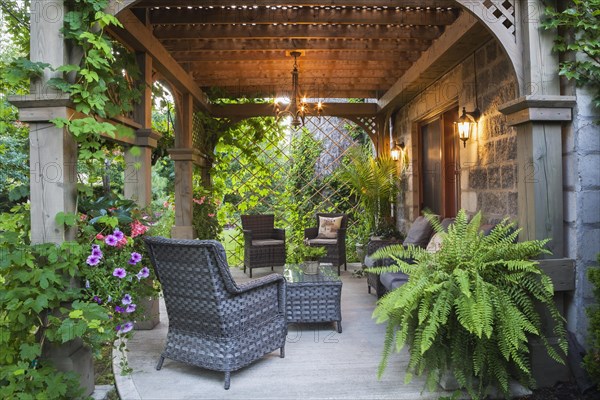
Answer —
213 322
264 245
336 247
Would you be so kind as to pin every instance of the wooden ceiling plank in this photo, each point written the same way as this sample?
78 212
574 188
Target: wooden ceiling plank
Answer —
266 110
139 37
300 16
286 65
262 92
183 56
288 43
212 74
296 31
299 3
356 82
459 40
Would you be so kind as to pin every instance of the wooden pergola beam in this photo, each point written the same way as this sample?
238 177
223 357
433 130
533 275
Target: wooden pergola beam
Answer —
306 67
284 73
299 3
300 16
296 31
270 92
356 82
139 37
241 111
459 40
313 55
196 45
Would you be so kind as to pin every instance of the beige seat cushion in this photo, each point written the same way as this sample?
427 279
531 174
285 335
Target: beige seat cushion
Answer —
435 244
317 241
266 242
329 227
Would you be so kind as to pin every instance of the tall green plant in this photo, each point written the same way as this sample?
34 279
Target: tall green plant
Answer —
470 308
374 182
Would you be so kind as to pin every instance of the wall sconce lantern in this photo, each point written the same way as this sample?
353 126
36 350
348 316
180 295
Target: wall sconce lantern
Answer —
466 123
397 150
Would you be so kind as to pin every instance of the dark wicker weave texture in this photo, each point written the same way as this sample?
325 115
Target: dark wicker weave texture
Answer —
314 302
259 248
213 322
336 253
373 280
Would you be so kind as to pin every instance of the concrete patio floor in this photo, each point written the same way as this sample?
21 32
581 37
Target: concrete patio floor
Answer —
319 363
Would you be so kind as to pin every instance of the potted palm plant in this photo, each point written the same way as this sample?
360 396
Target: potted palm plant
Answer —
469 309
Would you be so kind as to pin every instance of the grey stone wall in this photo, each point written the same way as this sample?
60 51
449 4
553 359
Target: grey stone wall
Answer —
488 166
581 196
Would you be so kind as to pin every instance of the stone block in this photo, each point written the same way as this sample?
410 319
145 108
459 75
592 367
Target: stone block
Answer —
494 181
590 207
589 171
506 149
493 204
491 52
478 178
508 176
485 153
588 138
468 201
585 107
589 251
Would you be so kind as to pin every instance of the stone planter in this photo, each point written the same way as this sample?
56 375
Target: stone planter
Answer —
360 252
311 267
151 314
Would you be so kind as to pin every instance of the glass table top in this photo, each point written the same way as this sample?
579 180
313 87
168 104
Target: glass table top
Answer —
294 273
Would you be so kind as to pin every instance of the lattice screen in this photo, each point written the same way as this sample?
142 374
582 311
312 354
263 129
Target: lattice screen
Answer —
504 11
312 192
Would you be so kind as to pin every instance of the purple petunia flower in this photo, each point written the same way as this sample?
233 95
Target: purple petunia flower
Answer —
118 234
127 327
130 308
144 273
126 299
118 327
92 260
97 299
111 240
119 273
87 284
96 252
119 309
135 258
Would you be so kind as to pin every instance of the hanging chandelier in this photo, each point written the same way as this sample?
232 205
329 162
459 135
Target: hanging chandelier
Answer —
298 107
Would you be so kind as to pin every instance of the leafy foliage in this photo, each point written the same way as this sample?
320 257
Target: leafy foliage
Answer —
469 308
578 31
374 183
591 361
36 285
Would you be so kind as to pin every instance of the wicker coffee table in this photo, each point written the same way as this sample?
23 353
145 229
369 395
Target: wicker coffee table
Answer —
313 298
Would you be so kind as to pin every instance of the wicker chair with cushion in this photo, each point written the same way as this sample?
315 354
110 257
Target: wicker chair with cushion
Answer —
264 245
330 233
418 235
213 322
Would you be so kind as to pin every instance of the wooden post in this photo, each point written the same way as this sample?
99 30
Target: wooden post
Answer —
138 168
183 155
53 162
538 116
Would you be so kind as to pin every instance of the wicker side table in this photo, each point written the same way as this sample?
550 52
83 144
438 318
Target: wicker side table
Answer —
313 298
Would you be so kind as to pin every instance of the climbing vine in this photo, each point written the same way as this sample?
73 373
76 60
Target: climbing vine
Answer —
578 28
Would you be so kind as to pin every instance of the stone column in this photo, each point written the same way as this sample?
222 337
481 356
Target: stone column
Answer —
53 161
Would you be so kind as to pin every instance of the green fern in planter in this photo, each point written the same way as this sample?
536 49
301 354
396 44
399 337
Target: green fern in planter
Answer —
469 309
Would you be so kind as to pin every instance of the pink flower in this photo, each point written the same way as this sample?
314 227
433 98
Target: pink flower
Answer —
211 215
100 236
82 217
122 242
138 228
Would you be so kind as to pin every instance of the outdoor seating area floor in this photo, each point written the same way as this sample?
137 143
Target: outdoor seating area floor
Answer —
319 363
